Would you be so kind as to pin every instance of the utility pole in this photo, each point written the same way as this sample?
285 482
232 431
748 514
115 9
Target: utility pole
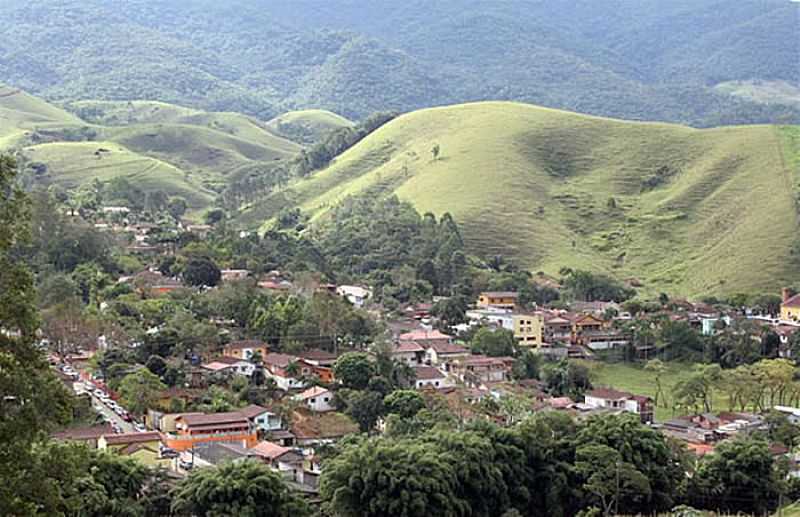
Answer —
616 497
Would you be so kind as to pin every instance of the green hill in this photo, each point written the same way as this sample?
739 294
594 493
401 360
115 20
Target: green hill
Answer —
20 113
307 126
181 151
678 209
71 164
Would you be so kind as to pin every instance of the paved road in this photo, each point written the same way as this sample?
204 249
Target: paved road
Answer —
106 411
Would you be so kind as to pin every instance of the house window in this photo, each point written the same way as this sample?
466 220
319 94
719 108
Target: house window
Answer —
326 399
436 383
313 401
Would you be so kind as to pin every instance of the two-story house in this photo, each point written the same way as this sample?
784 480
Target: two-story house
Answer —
606 398
245 349
498 299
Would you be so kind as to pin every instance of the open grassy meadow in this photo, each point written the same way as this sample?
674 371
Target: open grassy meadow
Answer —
679 209
633 378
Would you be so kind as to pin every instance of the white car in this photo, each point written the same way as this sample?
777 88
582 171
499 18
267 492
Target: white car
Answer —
99 393
139 427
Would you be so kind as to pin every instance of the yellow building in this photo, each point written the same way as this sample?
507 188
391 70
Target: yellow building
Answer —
529 329
790 307
498 299
143 447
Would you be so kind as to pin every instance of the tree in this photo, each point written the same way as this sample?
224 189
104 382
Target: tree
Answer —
214 215
354 370
364 407
435 150
657 368
404 403
739 476
33 400
68 328
527 366
202 271
606 476
641 457
494 343
248 488
696 391
140 390
376 478
157 365
177 207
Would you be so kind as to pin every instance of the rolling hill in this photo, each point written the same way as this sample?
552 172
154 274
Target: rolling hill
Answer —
644 60
678 209
182 151
307 126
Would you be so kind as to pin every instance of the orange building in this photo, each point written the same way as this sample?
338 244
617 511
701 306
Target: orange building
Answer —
245 349
498 299
194 429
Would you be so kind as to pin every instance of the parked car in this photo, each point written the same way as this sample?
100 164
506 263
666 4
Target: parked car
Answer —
166 452
140 428
185 465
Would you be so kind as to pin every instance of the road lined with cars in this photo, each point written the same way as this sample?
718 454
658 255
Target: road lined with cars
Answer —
112 412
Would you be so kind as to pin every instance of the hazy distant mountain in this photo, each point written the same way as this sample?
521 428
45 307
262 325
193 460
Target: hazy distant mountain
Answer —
649 59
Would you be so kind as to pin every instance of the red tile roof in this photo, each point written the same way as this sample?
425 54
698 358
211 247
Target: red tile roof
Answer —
270 450
231 417
407 347
128 438
416 335
794 302
448 348
253 411
279 360
609 394
428 373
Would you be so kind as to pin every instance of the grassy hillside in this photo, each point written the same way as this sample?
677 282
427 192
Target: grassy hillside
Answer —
307 126
74 163
20 113
161 146
679 209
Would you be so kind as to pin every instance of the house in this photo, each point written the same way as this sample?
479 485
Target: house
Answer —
426 337
528 329
479 369
498 299
408 352
429 376
607 398
195 429
85 435
245 349
356 295
604 340
311 428
280 368
586 326
557 328
443 354
316 399
790 305
154 283
230 365
145 447
318 357
261 418
216 453
234 275
283 459
596 308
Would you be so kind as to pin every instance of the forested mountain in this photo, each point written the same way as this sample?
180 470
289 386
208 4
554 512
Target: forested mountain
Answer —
649 60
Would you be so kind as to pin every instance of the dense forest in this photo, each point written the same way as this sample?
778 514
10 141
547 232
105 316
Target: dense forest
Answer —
645 60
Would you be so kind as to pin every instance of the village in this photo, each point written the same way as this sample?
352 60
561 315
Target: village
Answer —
499 363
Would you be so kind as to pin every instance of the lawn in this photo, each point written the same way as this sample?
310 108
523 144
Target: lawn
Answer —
633 378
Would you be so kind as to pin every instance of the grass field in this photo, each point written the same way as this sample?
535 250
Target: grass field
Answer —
20 113
633 378
74 163
681 210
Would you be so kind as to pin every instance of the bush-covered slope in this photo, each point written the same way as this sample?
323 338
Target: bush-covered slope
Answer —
679 209
307 126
